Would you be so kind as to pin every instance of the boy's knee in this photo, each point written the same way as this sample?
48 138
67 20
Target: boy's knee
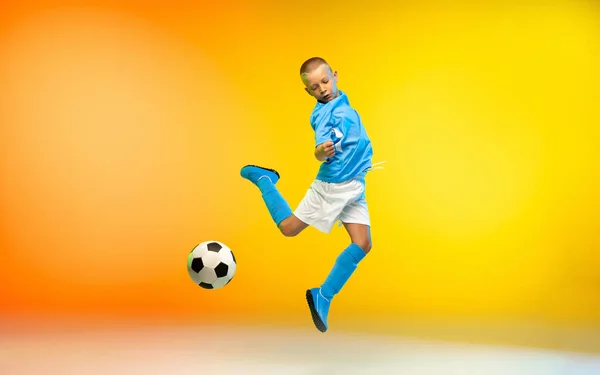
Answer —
288 228
365 245
288 231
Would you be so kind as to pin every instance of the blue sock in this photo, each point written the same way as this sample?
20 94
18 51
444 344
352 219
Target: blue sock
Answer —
276 204
343 268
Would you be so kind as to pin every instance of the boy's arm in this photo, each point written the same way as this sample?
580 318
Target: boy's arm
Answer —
324 145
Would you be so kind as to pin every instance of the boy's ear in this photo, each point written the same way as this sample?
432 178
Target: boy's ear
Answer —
307 91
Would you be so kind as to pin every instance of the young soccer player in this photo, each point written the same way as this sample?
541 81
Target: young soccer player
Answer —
337 193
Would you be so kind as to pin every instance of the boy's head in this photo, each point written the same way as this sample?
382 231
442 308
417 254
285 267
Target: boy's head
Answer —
320 80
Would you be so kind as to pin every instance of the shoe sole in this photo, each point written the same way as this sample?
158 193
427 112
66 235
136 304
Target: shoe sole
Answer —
266 169
313 312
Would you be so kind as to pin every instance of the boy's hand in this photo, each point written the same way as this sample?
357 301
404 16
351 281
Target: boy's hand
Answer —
328 149
324 150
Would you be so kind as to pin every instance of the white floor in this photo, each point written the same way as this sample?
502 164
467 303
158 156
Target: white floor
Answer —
246 351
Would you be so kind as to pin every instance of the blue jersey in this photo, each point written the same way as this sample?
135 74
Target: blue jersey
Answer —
337 121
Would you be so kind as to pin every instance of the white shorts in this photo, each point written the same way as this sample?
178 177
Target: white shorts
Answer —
325 203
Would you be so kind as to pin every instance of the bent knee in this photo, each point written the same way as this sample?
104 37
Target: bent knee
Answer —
288 231
365 245
288 228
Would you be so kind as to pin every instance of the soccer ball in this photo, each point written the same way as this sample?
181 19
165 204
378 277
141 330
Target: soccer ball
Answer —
211 265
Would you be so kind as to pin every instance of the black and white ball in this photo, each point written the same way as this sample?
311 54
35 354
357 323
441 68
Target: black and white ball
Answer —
211 265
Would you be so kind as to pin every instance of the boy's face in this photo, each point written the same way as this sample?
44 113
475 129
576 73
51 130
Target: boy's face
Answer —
321 83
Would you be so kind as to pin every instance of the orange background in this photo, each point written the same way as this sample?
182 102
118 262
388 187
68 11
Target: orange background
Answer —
123 128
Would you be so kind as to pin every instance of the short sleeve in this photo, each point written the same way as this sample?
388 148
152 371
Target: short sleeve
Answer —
323 130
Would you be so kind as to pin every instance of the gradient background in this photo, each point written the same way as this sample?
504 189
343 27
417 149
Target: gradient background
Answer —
124 125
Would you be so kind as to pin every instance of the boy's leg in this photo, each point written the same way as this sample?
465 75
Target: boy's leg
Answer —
280 211
356 220
347 261
360 234
292 226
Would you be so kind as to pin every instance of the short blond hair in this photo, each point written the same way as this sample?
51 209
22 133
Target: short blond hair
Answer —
311 64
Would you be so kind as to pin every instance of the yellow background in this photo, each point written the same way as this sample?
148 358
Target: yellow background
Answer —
124 126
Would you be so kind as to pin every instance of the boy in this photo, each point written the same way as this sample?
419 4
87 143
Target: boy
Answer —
337 193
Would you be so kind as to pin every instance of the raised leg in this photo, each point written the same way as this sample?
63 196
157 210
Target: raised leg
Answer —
292 226
266 179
